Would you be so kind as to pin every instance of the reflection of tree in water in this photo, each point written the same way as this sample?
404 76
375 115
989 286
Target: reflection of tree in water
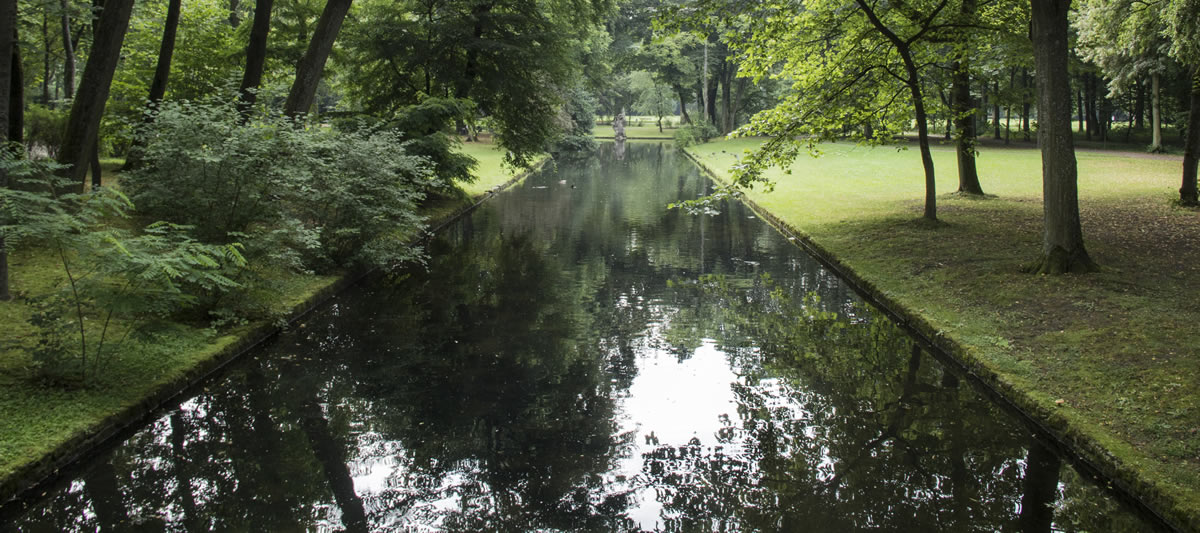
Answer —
481 375
843 424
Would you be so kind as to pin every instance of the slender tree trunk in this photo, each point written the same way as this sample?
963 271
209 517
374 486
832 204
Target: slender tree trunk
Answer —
8 29
83 124
1025 106
1079 94
16 96
46 60
312 65
1191 147
1062 249
1012 87
1155 115
158 86
964 114
704 82
1040 490
727 71
68 51
996 107
256 56
914 87
1139 106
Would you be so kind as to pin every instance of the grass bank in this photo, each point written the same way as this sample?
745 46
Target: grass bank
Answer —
43 425
1109 361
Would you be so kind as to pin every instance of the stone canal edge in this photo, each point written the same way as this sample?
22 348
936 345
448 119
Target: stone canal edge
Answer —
46 469
1069 439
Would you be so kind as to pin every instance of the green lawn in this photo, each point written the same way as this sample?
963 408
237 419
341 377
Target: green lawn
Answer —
1113 357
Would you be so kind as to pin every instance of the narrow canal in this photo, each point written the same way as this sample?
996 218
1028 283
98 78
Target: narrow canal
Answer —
575 357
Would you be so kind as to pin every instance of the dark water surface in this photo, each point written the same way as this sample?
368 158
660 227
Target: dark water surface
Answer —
574 357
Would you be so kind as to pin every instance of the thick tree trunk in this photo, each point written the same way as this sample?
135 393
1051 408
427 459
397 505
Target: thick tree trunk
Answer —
683 105
8 28
83 124
68 51
256 56
1155 115
1191 148
158 86
312 65
1062 249
964 115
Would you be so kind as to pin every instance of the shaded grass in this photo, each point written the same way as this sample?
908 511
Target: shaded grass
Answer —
36 418
1116 354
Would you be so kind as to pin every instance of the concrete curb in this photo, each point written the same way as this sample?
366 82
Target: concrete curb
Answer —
1076 443
44 470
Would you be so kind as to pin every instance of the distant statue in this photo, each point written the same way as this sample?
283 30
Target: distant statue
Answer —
619 126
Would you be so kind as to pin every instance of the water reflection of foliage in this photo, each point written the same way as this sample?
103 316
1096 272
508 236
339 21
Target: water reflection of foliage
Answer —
843 424
487 384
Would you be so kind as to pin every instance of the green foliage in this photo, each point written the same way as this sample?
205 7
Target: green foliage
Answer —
698 132
113 281
299 198
578 117
44 129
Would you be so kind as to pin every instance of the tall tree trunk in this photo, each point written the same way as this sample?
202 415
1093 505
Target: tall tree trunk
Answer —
1191 148
256 56
68 52
727 72
158 86
704 82
1025 105
83 124
234 19
312 65
964 113
46 60
1079 93
683 105
1093 117
914 87
1040 490
1155 115
94 164
1139 106
996 107
16 96
1062 249
8 29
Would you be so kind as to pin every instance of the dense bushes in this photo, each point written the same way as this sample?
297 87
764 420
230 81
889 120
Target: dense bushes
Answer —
207 228
306 198
697 132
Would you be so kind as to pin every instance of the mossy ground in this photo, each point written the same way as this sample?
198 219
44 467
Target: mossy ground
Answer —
1116 353
36 417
